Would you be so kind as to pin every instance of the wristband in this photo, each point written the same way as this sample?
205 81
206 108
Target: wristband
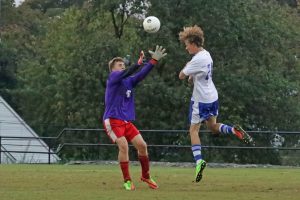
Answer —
153 61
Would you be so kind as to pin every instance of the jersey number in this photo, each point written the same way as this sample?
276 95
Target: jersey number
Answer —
209 73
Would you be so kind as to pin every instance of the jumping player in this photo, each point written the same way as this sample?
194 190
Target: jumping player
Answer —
204 102
120 112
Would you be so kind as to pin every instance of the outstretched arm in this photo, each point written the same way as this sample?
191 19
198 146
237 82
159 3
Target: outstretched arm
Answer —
118 76
129 71
139 76
156 56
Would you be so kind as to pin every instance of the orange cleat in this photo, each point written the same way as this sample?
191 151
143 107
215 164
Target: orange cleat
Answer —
243 135
151 183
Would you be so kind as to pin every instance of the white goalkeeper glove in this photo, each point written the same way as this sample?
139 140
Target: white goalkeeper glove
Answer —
159 53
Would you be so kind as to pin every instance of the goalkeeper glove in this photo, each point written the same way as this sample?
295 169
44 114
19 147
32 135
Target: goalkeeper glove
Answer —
159 53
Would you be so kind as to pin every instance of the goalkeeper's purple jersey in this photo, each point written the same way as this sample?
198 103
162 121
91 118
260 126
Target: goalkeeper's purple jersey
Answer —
119 95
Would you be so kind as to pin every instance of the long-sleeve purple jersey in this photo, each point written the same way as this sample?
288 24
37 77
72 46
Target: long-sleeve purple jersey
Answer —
119 95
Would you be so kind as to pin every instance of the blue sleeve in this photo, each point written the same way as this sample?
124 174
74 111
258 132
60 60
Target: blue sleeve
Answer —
139 76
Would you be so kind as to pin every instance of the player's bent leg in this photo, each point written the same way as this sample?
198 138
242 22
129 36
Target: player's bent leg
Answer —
225 129
196 148
141 146
124 162
199 170
194 133
243 135
123 149
213 126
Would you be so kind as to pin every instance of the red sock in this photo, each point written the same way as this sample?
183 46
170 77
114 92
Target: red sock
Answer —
125 170
145 166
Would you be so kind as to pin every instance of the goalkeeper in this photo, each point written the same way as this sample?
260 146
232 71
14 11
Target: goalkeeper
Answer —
120 112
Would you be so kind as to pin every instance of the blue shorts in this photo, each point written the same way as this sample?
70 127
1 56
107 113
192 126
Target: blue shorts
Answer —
200 112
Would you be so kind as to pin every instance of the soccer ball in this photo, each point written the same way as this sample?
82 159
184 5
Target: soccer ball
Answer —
151 24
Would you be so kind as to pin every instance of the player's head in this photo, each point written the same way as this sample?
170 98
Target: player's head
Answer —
116 64
193 38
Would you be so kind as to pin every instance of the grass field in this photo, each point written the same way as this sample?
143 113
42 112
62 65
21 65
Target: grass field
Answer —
91 182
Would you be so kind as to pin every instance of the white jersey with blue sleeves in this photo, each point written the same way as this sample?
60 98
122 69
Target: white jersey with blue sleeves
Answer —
200 68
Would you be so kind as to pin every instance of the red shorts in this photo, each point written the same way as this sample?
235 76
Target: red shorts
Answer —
116 128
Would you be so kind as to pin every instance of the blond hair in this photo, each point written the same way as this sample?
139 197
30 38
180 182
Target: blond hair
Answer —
192 34
112 62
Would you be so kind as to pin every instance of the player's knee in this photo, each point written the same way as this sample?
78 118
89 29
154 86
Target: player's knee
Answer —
214 130
143 146
123 147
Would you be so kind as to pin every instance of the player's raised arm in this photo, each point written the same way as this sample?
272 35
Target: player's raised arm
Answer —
117 65
132 69
141 58
158 54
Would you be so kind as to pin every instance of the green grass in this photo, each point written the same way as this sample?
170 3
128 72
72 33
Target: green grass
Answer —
91 182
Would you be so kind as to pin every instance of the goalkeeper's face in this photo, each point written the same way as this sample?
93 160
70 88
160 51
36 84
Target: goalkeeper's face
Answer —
118 66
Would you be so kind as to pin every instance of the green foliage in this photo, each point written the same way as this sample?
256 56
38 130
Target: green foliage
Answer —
68 70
